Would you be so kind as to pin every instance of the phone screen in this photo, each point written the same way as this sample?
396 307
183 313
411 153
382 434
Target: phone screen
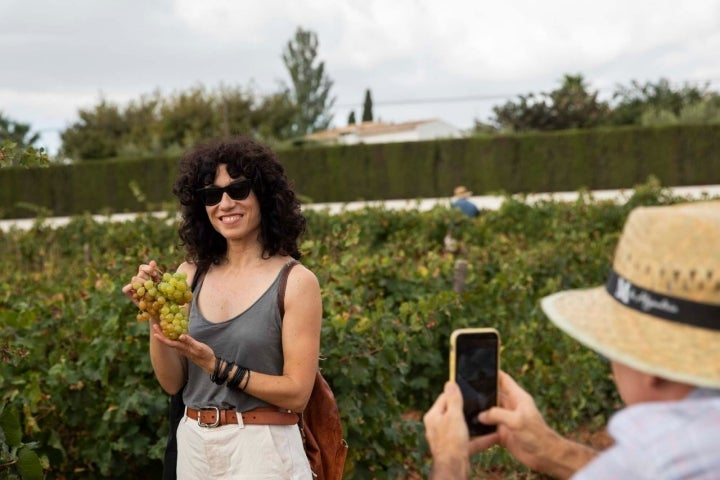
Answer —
475 353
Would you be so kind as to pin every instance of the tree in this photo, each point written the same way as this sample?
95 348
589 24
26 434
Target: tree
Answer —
704 112
97 135
142 119
351 118
189 117
311 85
529 113
272 117
16 132
367 115
16 145
574 106
642 101
234 110
570 106
482 128
167 125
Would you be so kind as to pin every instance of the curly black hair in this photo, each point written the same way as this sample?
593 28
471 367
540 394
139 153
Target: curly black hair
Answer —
281 223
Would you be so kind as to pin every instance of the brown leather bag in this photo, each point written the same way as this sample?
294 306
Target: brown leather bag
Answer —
320 425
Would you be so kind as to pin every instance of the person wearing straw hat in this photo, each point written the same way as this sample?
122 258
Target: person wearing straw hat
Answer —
658 322
460 200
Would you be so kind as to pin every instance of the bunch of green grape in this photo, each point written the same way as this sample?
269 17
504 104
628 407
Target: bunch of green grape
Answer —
168 300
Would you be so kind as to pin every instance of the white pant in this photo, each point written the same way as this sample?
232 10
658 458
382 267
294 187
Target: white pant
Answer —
240 452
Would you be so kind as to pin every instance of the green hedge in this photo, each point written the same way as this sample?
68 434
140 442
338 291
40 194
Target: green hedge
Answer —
90 187
541 162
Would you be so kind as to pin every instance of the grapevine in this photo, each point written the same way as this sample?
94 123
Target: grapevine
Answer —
168 300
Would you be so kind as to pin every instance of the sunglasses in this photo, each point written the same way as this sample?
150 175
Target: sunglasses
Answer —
237 190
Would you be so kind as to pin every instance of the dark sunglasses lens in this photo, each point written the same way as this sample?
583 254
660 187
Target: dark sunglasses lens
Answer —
211 195
238 191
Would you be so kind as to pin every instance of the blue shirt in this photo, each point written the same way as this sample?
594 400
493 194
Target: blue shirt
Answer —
466 206
662 440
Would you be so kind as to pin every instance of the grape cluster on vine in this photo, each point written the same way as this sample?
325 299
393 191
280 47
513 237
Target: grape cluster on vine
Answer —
168 300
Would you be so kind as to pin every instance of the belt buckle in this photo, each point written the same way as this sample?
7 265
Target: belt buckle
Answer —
209 409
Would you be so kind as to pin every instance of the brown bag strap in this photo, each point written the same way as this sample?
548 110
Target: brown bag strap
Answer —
284 274
200 272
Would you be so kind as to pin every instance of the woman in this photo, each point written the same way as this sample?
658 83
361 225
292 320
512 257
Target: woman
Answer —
243 366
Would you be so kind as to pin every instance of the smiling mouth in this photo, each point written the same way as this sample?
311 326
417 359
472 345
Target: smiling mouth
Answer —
230 218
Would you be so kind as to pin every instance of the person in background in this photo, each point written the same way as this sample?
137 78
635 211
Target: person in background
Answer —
460 200
658 322
244 368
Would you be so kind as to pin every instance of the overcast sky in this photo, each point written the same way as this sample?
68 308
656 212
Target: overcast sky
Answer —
447 59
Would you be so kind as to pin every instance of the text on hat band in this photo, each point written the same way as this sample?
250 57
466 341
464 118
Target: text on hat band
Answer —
664 306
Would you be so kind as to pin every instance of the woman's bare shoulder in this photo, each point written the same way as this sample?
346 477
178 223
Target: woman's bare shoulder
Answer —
301 276
188 269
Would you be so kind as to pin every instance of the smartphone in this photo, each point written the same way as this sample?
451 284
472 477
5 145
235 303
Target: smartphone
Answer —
474 366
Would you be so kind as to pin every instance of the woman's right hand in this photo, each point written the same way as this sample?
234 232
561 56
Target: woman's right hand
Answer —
197 352
145 272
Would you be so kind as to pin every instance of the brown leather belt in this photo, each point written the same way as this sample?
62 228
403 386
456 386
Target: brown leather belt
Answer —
215 417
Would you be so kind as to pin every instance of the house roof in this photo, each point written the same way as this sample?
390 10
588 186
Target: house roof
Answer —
366 129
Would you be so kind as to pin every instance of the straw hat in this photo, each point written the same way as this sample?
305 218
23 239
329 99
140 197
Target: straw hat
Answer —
462 192
660 311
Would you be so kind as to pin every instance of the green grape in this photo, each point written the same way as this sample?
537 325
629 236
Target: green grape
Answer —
167 300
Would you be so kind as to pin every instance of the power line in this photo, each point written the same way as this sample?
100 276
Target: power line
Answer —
501 96
420 101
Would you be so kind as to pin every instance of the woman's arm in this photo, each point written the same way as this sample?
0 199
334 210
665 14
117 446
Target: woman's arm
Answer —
301 345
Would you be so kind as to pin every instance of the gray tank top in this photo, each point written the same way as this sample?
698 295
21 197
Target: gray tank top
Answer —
252 339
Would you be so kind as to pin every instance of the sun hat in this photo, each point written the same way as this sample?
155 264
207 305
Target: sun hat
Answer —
659 312
462 192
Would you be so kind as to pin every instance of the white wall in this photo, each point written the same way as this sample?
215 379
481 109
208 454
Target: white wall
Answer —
437 129
403 136
425 131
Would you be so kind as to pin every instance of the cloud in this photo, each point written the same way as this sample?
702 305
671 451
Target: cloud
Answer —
58 57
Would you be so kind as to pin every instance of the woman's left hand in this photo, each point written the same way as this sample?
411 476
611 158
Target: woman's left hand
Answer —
199 353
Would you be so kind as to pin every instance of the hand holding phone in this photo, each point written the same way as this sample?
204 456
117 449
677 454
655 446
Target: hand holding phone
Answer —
474 366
